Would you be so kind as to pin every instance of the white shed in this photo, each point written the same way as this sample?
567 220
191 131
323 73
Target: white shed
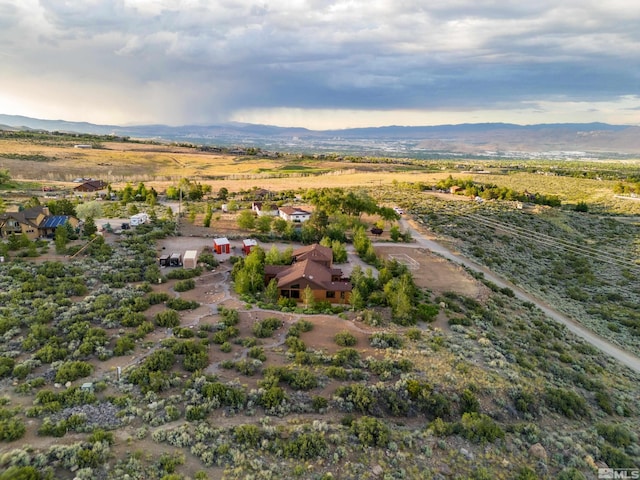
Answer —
190 259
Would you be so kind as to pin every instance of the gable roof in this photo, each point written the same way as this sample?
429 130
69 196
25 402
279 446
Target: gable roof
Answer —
293 211
314 273
28 216
91 186
316 252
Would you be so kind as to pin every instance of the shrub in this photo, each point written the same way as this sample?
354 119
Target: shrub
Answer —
185 285
257 353
616 435
480 428
11 428
371 432
225 347
181 304
319 403
569 403
266 327
616 458
385 340
156 298
345 339
124 345
70 371
306 446
249 435
167 318
272 397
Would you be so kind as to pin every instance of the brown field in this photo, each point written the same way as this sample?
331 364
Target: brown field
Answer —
161 166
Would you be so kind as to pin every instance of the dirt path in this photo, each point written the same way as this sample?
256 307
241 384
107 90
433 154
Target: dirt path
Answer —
597 341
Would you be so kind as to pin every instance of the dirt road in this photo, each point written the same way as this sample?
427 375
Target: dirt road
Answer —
597 341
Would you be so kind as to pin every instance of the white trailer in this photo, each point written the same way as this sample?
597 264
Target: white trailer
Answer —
139 219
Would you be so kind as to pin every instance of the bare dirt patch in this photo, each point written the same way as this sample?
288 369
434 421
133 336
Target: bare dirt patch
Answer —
434 273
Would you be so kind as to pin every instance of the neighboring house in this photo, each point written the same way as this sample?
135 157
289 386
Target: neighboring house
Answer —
91 186
294 214
262 193
261 209
312 267
34 222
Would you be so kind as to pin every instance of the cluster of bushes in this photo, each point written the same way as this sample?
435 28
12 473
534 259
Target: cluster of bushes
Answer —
11 426
152 375
265 328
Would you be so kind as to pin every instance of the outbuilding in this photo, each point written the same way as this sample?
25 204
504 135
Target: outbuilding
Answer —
175 260
164 261
248 244
190 259
221 245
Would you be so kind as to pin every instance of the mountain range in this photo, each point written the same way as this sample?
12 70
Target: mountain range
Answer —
484 139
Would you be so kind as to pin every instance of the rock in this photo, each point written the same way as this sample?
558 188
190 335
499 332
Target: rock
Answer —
67 385
377 470
538 451
56 385
467 454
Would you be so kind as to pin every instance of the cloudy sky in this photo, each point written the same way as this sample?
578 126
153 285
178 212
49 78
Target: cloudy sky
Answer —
321 63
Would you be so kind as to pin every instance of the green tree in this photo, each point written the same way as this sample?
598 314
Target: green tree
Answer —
308 297
271 293
89 209
89 228
4 176
263 224
246 220
223 194
61 240
249 278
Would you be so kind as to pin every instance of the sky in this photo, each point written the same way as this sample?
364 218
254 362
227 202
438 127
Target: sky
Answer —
321 64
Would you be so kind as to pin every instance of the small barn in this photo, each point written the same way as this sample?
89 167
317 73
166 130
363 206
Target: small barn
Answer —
248 244
221 245
190 259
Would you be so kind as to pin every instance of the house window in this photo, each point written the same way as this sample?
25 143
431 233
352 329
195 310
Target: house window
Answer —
295 293
342 295
331 294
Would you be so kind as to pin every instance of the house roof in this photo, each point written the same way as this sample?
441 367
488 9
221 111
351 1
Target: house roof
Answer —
91 185
27 216
54 221
293 211
311 271
316 252
249 242
221 241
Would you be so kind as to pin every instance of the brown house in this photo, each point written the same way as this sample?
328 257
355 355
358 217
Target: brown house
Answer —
312 267
34 222
91 186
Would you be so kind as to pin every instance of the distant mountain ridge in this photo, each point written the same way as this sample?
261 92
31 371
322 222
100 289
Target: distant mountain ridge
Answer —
467 138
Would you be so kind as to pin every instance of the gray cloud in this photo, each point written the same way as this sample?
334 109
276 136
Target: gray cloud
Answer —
182 61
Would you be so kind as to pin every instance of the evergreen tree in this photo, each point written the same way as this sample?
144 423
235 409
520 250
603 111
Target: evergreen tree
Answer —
89 228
